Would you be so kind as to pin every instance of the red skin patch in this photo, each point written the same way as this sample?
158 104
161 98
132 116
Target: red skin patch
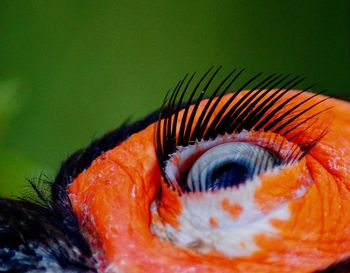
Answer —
213 222
234 210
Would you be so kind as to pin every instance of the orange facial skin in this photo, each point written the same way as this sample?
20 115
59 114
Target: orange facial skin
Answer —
112 201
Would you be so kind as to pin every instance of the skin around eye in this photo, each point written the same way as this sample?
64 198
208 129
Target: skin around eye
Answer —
293 220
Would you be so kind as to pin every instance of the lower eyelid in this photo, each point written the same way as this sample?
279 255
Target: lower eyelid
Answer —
286 185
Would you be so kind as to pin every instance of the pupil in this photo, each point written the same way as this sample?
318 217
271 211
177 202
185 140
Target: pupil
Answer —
227 175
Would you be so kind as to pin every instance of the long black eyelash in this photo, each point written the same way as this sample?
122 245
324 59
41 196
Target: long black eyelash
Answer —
259 109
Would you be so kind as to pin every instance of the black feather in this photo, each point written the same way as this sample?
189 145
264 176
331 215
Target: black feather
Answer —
34 238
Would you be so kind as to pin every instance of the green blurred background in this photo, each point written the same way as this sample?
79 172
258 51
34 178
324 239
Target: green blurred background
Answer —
72 70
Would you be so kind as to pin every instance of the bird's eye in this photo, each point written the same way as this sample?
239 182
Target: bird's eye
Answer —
183 137
229 164
219 164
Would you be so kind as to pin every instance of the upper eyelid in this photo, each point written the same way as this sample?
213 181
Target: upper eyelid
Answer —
267 108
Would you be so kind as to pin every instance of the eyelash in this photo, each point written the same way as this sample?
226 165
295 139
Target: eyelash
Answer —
257 110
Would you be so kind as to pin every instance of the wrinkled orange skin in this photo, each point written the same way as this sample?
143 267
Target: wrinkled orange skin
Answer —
112 201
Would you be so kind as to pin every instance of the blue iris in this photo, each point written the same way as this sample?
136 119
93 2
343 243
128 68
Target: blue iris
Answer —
228 165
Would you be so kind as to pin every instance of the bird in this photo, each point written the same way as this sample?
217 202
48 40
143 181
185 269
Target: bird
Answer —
227 175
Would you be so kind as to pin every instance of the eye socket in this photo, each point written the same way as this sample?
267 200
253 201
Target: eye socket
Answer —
229 164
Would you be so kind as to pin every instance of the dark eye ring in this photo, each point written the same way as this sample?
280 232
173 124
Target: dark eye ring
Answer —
229 164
